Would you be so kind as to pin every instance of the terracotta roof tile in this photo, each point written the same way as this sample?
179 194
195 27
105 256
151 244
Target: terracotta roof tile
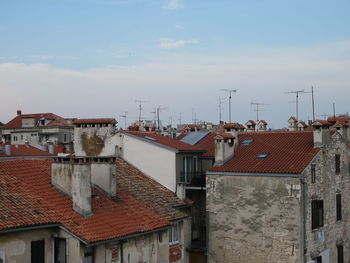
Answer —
208 144
23 150
288 152
165 141
234 125
17 121
339 118
31 200
321 123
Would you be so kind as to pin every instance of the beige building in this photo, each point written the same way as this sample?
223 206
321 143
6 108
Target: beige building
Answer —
281 197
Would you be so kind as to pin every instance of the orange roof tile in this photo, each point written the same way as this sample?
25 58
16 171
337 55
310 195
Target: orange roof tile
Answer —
36 202
288 153
17 121
339 118
95 121
23 150
234 125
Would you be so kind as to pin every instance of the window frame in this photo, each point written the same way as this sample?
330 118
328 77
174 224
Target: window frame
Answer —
317 214
313 173
60 243
175 234
338 202
340 254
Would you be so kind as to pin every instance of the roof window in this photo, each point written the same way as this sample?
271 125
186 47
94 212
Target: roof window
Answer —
247 142
150 138
262 156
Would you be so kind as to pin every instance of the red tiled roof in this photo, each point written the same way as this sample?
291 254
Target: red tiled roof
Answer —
165 141
23 150
182 135
321 123
341 124
225 135
340 118
288 152
234 125
95 121
36 202
293 119
208 144
263 122
17 121
251 122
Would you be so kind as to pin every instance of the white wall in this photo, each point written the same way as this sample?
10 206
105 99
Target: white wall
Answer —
152 160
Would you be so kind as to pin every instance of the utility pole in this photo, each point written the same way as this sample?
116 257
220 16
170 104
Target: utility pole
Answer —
297 92
124 116
230 91
258 104
140 108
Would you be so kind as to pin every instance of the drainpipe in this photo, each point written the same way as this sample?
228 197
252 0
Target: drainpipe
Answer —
121 252
304 185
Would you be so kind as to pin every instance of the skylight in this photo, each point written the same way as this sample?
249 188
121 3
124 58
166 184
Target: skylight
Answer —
262 155
247 142
150 138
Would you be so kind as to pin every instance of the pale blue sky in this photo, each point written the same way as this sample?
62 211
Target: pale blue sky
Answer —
175 53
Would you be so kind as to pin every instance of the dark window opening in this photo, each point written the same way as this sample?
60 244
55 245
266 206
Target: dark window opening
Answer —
313 173
60 250
88 255
37 249
338 206
337 163
318 259
317 214
340 254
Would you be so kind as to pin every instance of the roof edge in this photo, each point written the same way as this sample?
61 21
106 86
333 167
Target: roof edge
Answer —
296 175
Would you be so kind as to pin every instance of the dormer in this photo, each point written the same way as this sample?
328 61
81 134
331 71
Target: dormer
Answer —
262 125
321 133
293 122
250 125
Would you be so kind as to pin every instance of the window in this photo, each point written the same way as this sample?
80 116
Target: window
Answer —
340 254
316 214
174 233
338 206
65 137
313 173
88 255
60 250
22 137
187 169
337 163
247 142
37 249
262 155
318 259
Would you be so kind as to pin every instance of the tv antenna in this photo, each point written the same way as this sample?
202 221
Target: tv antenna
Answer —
324 115
140 108
159 109
258 109
180 117
296 92
221 101
230 91
124 116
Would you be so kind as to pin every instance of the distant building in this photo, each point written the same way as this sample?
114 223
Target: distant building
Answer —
38 129
281 196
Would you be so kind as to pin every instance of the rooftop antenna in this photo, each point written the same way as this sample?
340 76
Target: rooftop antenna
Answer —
230 91
140 108
159 108
297 92
124 116
257 110
324 115
154 117
221 101
312 101
180 117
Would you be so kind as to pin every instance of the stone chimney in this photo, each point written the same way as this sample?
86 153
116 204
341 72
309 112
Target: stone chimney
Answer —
233 128
74 176
104 174
302 126
19 112
225 144
293 122
321 133
342 128
250 125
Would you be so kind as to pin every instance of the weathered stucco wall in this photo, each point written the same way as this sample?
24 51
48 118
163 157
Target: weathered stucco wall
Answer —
253 219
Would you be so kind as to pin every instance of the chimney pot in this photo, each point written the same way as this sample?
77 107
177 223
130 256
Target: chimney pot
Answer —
19 112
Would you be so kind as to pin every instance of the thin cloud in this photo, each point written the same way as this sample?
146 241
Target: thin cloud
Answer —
172 4
169 43
44 57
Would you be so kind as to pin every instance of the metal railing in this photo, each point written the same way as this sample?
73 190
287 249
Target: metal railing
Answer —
192 177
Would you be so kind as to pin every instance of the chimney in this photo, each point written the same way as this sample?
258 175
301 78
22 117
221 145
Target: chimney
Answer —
19 112
250 125
321 133
81 186
104 175
342 128
292 124
233 128
301 126
61 174
262 125
8 149
224 148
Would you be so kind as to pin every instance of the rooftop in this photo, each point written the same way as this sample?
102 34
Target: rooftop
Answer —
23 150
28 199
95 121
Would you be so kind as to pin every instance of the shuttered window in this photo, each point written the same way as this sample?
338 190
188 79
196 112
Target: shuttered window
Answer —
317 213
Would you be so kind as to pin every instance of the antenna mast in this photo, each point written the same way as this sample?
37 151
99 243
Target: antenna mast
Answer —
297 92
230 91
140 108
257 110
124 116
221 101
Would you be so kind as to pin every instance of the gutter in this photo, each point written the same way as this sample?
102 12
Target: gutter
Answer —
13 230
256 174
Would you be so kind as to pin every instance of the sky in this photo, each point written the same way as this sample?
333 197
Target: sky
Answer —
95 58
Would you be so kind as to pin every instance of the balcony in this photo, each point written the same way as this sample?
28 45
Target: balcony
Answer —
193 178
